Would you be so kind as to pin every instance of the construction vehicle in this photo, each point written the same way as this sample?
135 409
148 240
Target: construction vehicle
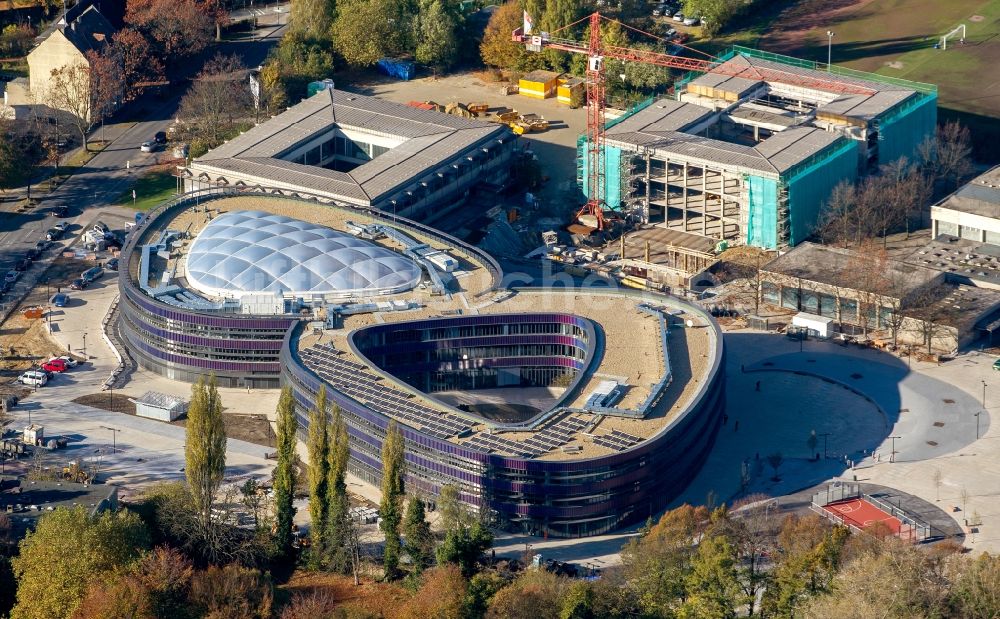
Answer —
74 473
597 53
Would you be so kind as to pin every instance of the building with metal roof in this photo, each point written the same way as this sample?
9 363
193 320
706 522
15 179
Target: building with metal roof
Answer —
160 406
750 151
363 151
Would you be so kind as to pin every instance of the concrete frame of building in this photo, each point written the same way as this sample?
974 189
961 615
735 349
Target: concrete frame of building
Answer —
677 164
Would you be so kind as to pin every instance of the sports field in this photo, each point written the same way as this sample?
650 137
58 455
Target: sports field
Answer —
896 38
861 514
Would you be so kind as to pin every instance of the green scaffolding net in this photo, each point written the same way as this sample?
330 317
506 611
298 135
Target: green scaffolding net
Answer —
762 225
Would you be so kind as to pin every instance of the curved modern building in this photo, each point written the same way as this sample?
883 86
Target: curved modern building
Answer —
561 412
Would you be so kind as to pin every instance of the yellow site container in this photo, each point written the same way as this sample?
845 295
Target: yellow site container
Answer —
539 84
570 88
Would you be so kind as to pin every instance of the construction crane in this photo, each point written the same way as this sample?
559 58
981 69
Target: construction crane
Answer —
597 52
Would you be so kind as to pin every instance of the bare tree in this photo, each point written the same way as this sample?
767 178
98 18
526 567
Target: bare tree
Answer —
837 225
743 266
69 90
752 525
218 100
927 306
947 155
865 274
775 460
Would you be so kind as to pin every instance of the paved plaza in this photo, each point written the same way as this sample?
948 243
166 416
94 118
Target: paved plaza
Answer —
854 399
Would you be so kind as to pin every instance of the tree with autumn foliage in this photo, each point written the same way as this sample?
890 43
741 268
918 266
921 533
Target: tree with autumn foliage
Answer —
176 28
497 48
140 64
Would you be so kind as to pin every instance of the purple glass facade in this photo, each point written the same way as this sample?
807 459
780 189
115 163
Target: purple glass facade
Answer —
564 498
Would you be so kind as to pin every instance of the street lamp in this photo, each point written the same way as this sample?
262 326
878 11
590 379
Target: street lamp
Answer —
977 424
114 435
829 48
85 345
984 393
824 435
892 454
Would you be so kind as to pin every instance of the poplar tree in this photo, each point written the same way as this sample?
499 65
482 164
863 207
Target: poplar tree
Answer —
284 473
393 489
419 539
205 449
319 466
339 526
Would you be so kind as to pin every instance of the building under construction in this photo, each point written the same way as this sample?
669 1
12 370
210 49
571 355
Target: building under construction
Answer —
749 151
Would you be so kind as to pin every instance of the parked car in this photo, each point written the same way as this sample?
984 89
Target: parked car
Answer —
79 284
33 378
22 265
150 147
5 286
60 299
53 234
54 365
679 17
92 274
34 253
69 361
12 276
59 211
112 265
996 365
62 225
160 137
691 21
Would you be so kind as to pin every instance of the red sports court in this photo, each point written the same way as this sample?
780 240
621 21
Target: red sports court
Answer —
845 504
861 514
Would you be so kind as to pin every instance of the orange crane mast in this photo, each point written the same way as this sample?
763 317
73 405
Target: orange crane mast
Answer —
596 53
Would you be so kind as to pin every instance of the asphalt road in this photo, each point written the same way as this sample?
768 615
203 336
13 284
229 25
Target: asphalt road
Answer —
96 186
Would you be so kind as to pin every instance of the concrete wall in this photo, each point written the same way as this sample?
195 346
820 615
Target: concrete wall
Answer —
985 229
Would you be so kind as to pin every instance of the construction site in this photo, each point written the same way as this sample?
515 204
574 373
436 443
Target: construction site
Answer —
749 151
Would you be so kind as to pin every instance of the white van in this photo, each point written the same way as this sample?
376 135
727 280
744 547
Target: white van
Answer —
33 378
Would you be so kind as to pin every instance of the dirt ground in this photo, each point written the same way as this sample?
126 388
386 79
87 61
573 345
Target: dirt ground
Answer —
24 342
108 401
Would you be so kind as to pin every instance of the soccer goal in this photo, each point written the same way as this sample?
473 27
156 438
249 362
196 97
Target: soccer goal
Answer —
959 28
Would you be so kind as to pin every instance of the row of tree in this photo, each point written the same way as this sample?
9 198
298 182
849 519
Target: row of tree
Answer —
898 196
694 563
325 33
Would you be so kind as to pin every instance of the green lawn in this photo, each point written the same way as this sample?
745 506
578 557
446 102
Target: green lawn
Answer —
150 190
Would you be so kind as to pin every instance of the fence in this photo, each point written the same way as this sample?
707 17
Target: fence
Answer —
910 528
